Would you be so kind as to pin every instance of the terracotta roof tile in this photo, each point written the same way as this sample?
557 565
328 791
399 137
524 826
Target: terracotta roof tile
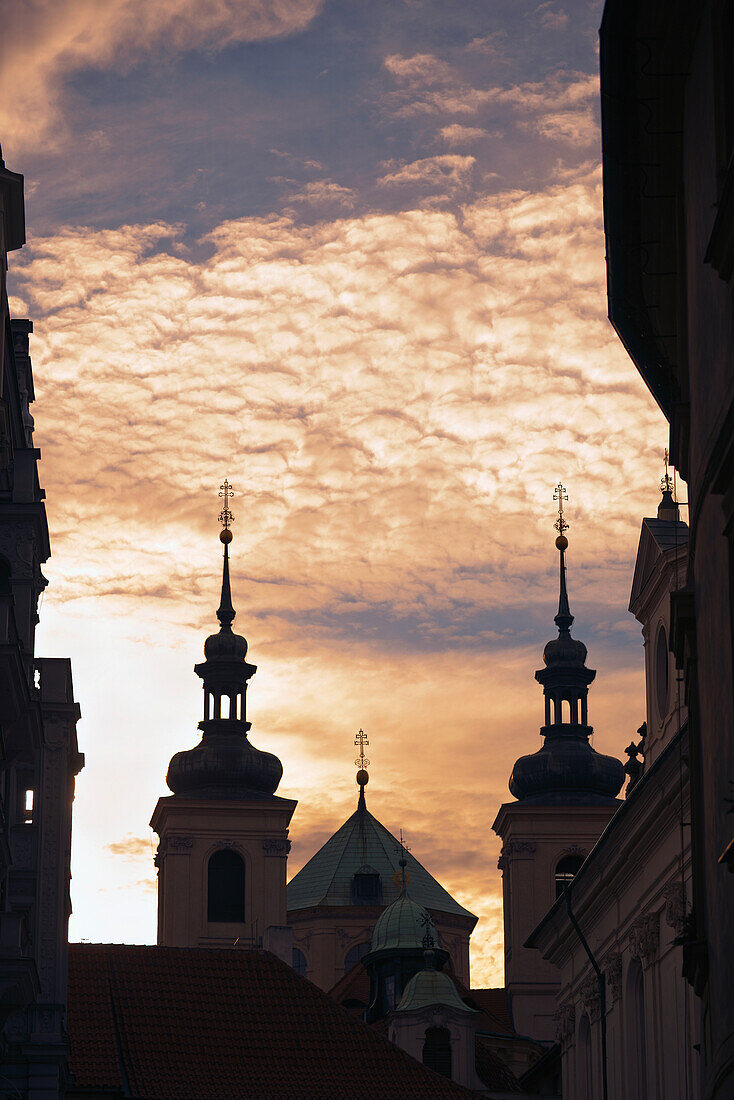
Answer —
201 1024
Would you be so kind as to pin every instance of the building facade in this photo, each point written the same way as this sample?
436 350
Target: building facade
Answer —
39 755
628 1023
668 140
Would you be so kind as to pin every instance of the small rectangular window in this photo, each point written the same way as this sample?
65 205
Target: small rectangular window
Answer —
28 806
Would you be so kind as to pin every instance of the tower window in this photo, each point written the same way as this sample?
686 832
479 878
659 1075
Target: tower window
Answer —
366 887
28 800
226 888
354 954
437 1050
299 962
566 871
662 665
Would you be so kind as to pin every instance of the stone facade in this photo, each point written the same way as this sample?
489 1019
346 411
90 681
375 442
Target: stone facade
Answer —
668 140
38 717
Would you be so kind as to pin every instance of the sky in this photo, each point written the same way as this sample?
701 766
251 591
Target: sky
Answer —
349 255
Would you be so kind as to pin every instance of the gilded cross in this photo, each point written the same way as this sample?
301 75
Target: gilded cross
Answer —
360 741
225 516
560 495
666 483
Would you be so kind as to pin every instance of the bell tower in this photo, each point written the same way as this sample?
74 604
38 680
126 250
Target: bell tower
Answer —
223 831
566 793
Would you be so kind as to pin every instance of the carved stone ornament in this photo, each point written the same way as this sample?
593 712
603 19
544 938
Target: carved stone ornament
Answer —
675 906
180 843
17 545
565 1019
591 997
276 847
228 843
644 938
613 970
349 936
575 850
515 848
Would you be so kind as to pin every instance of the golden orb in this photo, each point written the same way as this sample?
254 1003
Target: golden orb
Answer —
363 777
225 535
562 542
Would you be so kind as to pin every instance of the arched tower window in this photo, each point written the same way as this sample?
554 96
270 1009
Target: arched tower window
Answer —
566 870
437 1050
299 962
354 954
226 888
635 1024
662 666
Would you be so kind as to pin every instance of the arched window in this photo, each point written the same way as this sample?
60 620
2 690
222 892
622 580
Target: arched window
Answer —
298 962
566 871
662 667
354 954
437 1050
584 1061
635 1024
226 888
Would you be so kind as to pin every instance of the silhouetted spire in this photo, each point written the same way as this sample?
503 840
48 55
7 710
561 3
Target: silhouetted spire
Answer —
225 611
362 763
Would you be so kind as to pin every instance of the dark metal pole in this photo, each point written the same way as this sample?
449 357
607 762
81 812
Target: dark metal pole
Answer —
602 991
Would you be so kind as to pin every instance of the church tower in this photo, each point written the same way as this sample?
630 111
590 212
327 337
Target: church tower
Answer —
566 794
223 832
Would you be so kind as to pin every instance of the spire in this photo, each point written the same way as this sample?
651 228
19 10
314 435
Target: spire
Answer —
225 611
668 506
362 763
564 618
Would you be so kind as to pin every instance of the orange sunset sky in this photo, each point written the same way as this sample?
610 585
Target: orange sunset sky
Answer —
351 257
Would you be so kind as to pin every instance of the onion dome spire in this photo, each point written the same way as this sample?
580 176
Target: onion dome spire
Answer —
566 769
225 764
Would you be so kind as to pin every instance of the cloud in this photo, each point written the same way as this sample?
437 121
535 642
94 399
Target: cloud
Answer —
45 42
455 134
131 847
394 397
324 192
449 172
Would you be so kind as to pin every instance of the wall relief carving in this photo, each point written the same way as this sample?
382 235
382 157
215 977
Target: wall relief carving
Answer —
613 970
565 1019
591 997
276 847
675 906
644 938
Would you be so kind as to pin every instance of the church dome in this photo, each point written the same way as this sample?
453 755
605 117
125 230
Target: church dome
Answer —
401 926
223 766
567 771
565 650
429 988
226 645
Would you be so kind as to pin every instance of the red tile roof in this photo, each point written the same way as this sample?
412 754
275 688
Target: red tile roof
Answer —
494 1005
166 1023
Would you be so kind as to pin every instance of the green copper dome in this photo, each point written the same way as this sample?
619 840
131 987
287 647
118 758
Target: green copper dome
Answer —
431 987
402 925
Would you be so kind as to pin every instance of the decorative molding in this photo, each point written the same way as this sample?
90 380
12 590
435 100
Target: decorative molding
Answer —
591 997
644 938
347 937
228 843
565 1019
276 847
612 966
675 906
575 850
515 848
178 843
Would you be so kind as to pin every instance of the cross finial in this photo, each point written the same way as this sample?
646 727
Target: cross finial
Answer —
360 741
403 863
560 495
666 483
225 516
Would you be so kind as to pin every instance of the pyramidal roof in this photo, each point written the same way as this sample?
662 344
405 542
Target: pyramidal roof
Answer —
363 841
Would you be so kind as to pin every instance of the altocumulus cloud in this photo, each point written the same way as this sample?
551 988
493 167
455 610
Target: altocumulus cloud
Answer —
394 395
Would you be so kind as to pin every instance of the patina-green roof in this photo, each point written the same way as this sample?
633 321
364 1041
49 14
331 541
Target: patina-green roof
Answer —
327 877
431 987
403 924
